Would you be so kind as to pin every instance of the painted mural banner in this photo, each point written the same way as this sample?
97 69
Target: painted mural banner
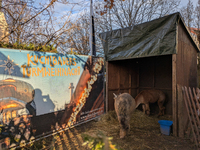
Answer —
45 92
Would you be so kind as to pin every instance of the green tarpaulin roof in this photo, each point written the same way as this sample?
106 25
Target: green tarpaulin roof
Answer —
154 38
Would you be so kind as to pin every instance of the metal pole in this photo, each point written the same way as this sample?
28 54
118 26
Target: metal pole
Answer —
92 32
0 5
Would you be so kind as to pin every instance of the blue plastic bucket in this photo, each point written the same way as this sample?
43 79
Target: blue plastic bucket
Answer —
165 126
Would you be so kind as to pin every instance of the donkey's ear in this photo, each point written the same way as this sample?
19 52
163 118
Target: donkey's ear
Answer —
115 96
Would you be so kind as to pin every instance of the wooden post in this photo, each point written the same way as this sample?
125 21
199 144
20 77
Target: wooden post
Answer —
138 79
130 83
154 72
107 70
174 100
118 78
180 117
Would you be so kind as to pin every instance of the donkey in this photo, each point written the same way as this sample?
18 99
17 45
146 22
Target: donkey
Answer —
151 96
124 106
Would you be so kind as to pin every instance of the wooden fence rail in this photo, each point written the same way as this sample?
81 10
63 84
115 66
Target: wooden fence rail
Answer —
191 99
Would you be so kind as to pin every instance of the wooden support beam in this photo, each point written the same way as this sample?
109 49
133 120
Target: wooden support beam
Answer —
181 118
107 72
138 78
118 78
130 82
174 100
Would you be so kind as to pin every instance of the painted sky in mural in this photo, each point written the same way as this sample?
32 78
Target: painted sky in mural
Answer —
50 75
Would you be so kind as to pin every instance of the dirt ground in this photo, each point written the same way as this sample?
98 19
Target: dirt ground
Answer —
144 135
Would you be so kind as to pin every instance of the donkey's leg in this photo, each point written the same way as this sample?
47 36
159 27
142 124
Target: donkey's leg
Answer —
144 108
122 133
124 126
147 109
128 123
161 107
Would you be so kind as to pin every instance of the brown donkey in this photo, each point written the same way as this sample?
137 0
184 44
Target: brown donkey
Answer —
151 96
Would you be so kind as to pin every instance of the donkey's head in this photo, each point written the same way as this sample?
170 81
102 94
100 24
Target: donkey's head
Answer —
116 96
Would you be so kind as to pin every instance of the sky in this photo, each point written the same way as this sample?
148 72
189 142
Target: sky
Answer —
184 2
63 9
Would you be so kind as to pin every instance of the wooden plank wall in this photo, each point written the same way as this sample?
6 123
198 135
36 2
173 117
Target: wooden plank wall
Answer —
156 73
186 60
139 74
121 77
174 96
186 73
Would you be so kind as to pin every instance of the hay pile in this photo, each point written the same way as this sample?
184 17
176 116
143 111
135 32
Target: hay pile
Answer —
144 135
109 122
144 132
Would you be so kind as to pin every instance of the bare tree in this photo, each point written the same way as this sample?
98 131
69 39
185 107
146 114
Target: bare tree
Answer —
197 19
120 14
37 23
78 37
188 13
131 12
197 15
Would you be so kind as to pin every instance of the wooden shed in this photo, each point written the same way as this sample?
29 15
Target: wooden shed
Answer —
159 54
